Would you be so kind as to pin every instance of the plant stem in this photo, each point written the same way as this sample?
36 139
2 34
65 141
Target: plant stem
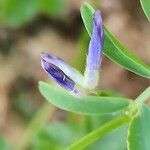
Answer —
99 133
140 99
35 125
143 97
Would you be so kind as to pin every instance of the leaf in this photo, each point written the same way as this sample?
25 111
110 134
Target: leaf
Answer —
146 8
90 105
113 49
87 16
139 130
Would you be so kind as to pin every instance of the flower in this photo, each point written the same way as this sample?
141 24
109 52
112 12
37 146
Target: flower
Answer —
95 53
68 77
58 70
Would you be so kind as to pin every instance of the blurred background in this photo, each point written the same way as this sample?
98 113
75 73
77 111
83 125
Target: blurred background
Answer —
28 27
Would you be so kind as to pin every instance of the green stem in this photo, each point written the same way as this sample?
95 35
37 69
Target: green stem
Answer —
140 99
99 133
35 125
143 97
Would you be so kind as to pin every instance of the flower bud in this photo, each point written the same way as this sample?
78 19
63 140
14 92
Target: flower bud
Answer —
58 75
67 69
94 53
61 73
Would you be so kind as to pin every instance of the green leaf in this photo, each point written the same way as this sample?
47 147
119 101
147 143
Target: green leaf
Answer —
146 8
87 16
90 105
113 49
139 130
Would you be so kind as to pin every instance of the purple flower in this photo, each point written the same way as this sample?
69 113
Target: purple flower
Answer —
58 75
68 77
95 53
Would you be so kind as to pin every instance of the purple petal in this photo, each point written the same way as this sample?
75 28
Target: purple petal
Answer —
96 43
98 22
95 52
68 70
58 75
56 69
